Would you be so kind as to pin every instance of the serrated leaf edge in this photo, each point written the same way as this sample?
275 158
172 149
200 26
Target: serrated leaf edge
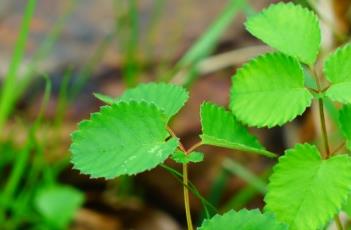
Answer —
103 108
241 147
290 4
338 52
156 84
244 210
278 166
253 62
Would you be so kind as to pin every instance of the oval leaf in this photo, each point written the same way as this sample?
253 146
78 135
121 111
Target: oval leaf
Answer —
269 91
292 29
243 220
220 128
337 70
305 191
123 139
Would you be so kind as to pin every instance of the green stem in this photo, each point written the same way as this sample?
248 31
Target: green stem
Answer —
327 148
186 197
324 127
192 188
324 132
186 181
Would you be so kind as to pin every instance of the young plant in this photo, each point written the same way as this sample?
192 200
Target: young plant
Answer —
308 187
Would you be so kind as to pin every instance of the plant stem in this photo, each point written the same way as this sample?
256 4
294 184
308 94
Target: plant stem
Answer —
327 148
324 132
191 187
342 145
186 197
338 222
195 146
324 127
185 182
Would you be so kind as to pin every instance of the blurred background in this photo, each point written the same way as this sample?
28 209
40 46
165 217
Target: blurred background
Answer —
55 54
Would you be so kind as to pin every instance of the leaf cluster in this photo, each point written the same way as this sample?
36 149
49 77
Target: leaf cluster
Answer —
132 135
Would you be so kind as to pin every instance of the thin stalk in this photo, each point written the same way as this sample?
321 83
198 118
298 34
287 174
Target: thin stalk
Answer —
186 197
185 187
195 146
338 223
186 180
192 188
342 145
327 148
324 127
324 132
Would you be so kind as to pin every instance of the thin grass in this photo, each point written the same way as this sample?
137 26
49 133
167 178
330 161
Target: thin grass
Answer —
9 87
245 174
21 162
45 48
206 44
127 28
245 195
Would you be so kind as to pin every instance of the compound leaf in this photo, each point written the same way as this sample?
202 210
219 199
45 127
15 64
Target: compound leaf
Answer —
345 124
269 91
243 220
52 203
306 191
122 139
338 71
220 128
182 158
292 29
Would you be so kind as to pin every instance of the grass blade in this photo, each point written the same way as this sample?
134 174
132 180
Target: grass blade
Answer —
9 88
207 42
245 174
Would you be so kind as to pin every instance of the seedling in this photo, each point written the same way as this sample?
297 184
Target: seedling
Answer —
308 187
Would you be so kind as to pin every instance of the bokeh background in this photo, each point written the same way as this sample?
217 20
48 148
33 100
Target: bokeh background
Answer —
77 47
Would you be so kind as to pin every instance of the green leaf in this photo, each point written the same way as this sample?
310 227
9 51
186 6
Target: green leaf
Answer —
182 158
347 206
337 70
58 204
220 128
167 97
345 124
104 98
292 29
269 91
306 191
123 139
243 220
